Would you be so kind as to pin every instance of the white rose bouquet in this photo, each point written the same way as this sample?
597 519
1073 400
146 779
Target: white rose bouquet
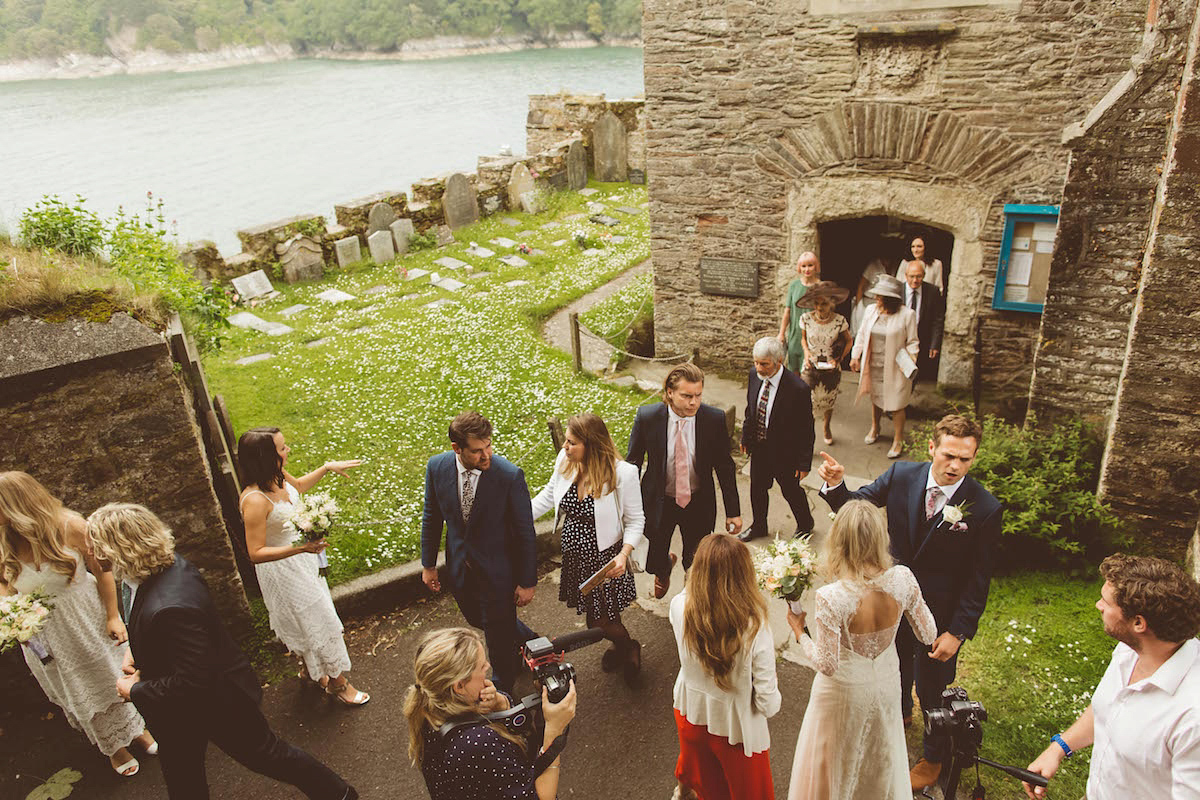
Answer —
22 617
312 517
786 568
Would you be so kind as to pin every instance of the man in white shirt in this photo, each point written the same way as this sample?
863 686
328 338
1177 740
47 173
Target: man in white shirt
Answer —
1143 723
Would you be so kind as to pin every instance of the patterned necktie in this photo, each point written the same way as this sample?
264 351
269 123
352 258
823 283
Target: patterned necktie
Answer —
683 485
761 433
912 299
934 499
468 498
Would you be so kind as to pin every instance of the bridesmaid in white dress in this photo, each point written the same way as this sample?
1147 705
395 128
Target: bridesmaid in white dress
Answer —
852 739
297 597
42 547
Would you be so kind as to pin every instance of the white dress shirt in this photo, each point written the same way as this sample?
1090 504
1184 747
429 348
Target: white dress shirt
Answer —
689 436
1147 734
908 293
947 491
773 382
475 473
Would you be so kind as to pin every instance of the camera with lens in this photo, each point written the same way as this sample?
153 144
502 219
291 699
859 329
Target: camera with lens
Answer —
960 717
545 661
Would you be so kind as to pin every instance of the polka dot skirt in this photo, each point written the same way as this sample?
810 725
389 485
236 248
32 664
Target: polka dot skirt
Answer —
581 558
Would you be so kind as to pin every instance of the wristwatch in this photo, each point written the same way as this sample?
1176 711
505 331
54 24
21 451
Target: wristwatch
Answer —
962 637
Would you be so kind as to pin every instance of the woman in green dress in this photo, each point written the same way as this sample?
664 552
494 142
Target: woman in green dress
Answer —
809 271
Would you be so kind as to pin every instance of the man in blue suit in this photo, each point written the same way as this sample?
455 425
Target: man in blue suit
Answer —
943 526
491 555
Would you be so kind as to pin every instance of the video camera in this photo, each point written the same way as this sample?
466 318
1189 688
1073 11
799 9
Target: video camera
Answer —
961 720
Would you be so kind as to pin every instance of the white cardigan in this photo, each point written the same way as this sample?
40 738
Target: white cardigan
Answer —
739 715
611 525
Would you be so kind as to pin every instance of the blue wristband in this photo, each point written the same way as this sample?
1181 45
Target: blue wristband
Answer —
1063 744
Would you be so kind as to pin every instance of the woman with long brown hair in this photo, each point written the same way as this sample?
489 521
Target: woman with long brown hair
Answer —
42 547
726 687
474 758
600 502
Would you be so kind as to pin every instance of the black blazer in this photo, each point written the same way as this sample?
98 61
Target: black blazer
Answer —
499 538
954 568
189 663
790 434
648 443
932 319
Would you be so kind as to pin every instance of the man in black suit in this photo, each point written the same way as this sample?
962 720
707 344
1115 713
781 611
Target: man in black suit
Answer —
943 525
926 300
482 501
183 671
682 442
778 434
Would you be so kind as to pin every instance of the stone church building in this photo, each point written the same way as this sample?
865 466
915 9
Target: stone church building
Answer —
1044 149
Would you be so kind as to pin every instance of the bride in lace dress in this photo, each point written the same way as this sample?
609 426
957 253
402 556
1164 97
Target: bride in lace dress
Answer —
42 547
852 740
297 597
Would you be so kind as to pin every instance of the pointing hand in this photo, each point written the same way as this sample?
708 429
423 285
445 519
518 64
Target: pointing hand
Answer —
830 470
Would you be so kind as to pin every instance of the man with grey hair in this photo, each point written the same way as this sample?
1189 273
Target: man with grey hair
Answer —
778 434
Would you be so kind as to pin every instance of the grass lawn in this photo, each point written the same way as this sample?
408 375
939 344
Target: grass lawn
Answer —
612 318
379 377
1040 651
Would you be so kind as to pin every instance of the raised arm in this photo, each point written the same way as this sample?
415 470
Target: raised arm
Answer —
306 482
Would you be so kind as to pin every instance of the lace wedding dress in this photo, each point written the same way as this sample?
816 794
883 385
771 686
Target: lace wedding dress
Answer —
81 677
297 598
852 740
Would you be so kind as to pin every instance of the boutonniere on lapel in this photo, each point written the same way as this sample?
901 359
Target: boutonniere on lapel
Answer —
954 516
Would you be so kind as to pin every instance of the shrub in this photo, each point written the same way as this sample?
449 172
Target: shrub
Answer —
54 225
422 241
1046 478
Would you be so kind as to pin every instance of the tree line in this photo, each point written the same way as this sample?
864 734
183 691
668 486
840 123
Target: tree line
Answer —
46 28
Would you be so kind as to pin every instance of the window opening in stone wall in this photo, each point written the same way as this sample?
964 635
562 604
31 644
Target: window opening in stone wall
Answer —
847 247
1023 274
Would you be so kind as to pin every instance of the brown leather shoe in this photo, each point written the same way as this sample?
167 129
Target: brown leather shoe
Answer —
924 774
662 583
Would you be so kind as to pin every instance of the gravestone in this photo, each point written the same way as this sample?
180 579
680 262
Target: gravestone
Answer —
244 319
440 302
291 311
516 283
252 284
460 204
526 234
380 289
452 263
335 296
482 252
550 226
558 242
445 236
610 149
402 230
588 192
637 176
576 166
449 284
514 261
301 258
348 250
629 210
491 204
413 274
531 203
242 362
382 248
501 241
519 182
380 218
317 342
604 219
511 222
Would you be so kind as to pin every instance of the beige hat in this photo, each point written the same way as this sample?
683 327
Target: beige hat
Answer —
887 286
822 289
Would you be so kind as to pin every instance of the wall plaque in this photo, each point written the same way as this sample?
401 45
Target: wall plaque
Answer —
729 276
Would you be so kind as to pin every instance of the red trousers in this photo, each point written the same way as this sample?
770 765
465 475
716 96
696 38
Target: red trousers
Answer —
717 770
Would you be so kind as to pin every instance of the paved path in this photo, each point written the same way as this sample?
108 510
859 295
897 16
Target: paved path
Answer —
557 330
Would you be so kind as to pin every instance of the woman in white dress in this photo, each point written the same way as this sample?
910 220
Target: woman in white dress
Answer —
933 266
852 739
42 547
297 597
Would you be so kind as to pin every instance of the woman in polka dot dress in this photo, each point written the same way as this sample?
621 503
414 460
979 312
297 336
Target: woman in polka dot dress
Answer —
600 503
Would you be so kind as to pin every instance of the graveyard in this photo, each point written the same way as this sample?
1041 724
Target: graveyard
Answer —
372 361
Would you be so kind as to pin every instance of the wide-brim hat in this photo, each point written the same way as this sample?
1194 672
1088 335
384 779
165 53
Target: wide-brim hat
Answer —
821 289
887 286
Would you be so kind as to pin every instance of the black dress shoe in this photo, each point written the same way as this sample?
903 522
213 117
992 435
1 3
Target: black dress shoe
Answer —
749 534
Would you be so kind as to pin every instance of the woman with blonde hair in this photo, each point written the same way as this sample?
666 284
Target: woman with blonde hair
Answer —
599 499
726 687
852 739
463 755
42 547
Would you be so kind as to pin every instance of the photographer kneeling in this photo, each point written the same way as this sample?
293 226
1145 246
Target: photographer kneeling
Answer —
481 758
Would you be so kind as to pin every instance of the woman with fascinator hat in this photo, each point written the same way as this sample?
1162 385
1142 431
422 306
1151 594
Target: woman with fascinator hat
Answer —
826 338
887 330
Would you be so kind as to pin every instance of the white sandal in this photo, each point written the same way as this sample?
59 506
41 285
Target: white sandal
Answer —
132 765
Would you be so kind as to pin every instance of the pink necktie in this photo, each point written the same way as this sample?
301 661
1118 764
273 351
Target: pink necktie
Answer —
931 502
683 486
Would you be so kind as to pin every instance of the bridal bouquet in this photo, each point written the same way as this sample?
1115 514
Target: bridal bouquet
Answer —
313 516
786 568
22 617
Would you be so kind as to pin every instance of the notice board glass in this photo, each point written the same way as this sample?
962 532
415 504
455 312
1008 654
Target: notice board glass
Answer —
1023 274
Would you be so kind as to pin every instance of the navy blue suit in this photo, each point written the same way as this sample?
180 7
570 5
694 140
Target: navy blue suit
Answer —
488 557
954 569
786 451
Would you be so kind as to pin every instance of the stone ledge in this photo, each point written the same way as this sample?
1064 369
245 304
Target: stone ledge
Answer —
33 345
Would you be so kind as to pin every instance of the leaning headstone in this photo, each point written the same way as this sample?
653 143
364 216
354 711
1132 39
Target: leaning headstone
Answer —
460 204
609 149
382 247
380 218
445 236
335 296
402 230
252 284
531 203
514 261
519 182
452 263
576 165
604 219
301 258
348 250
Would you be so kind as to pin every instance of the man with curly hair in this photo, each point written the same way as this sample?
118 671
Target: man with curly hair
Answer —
1144 719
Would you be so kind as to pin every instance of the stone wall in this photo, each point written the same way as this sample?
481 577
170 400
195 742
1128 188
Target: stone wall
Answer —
555 117
765 119
97 413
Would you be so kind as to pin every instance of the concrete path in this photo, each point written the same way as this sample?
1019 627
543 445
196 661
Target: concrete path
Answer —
597 355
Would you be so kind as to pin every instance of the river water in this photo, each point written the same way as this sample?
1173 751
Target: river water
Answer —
237 147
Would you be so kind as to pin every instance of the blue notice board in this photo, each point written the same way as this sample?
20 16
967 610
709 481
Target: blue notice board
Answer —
1023 274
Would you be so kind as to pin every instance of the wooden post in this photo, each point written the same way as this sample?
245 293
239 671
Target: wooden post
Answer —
977 372
556 432
576 348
